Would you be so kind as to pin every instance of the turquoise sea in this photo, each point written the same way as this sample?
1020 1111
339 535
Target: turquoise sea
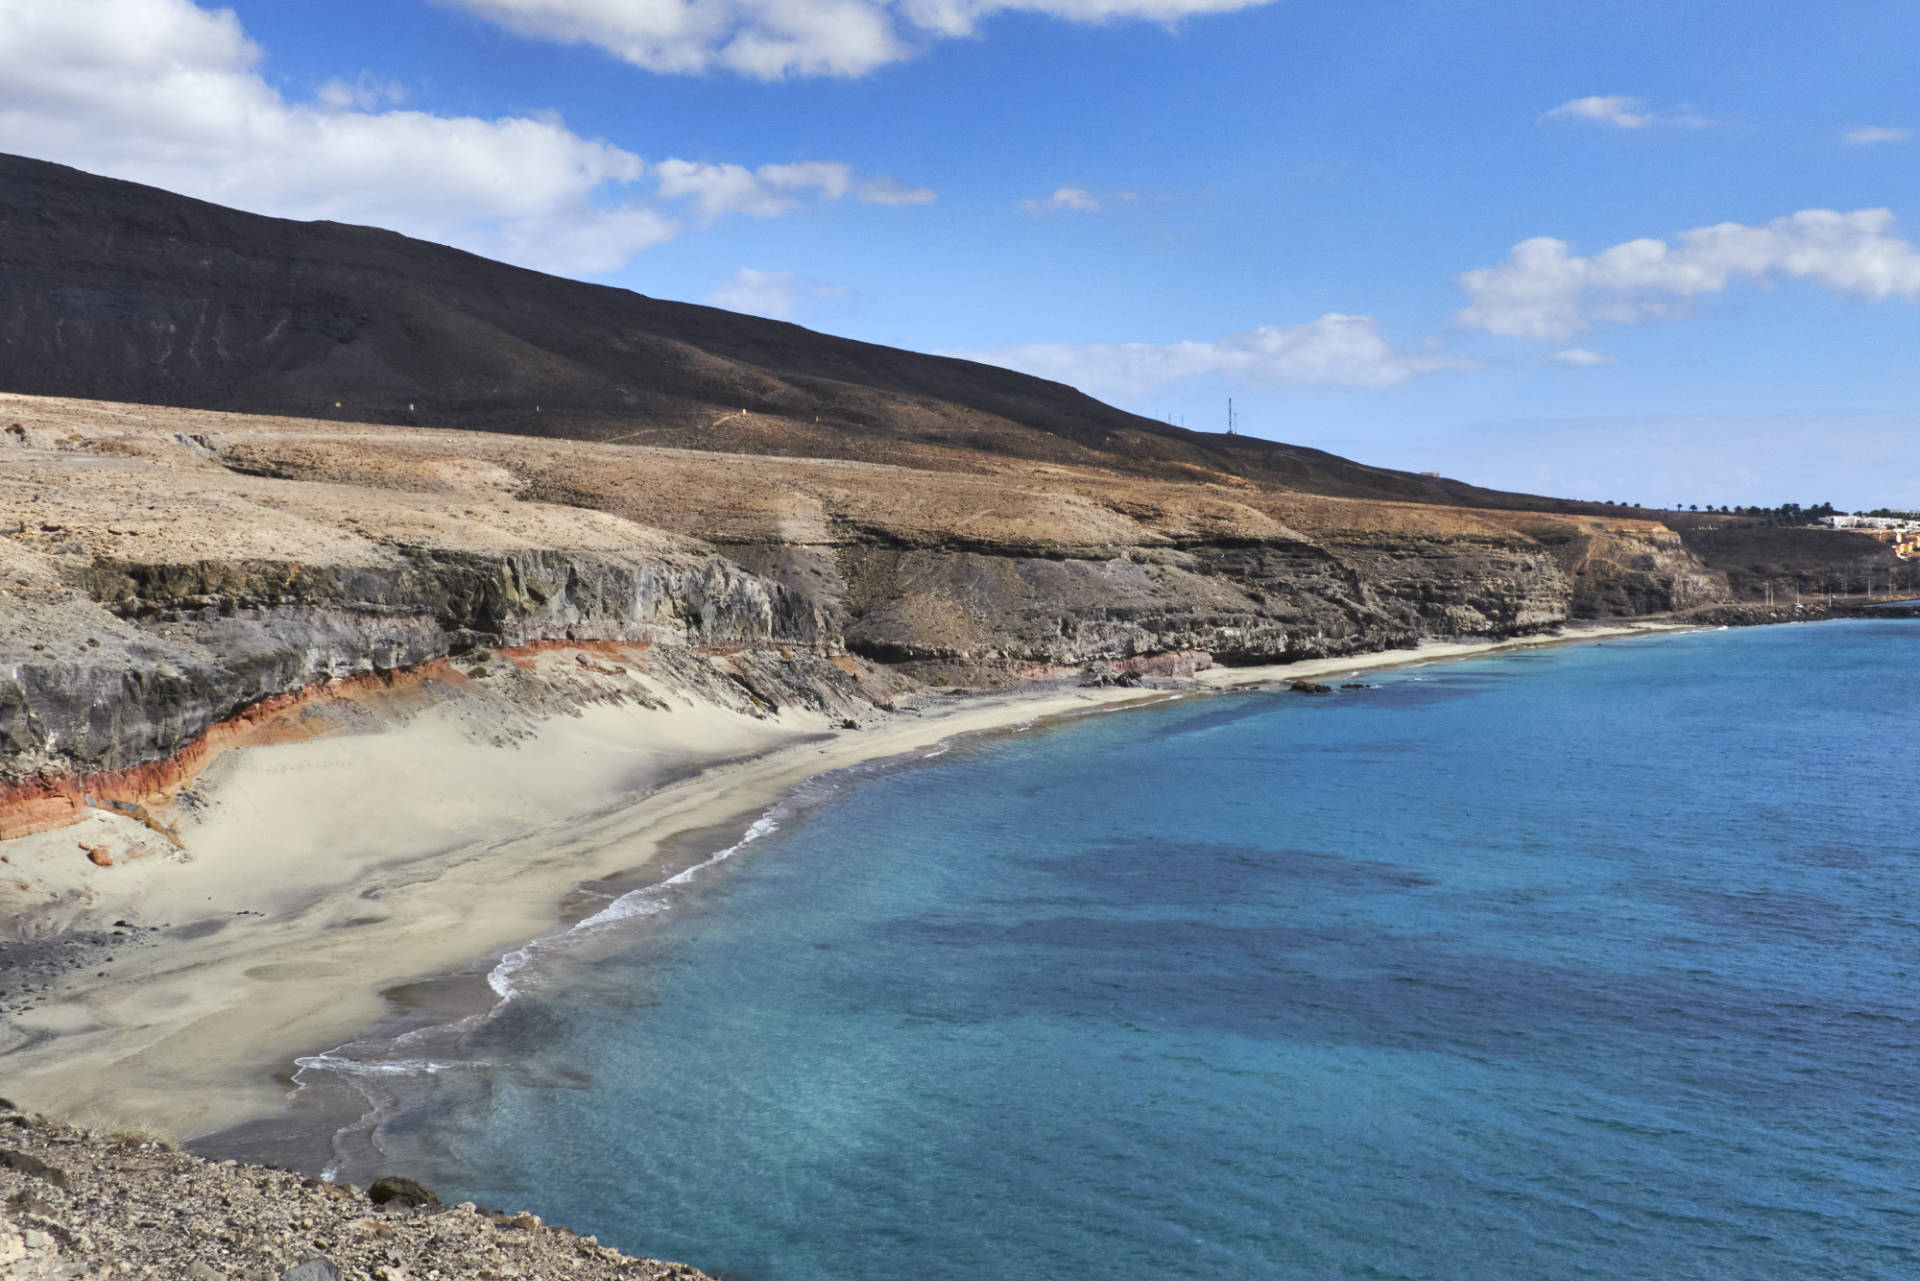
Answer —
1596 961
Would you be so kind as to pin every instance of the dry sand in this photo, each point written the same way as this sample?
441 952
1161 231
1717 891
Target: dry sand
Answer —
380 859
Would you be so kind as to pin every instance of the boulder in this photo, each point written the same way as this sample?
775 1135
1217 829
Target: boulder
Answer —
393 1189
29 1164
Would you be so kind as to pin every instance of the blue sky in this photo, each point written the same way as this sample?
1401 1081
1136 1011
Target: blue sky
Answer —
1312 206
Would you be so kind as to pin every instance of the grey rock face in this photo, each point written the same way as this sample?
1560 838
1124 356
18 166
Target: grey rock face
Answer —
505 598
179 647
1242 600
1242 603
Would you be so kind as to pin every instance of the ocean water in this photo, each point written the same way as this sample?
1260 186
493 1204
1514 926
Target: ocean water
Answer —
1597 961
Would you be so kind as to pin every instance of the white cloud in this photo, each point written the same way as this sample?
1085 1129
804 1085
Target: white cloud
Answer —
365 93
889 191
774 294
1868 135
1333 351
167 93
1074 199
1625 113
770 190
777 39
1545 291
762 193
164 92
1581 356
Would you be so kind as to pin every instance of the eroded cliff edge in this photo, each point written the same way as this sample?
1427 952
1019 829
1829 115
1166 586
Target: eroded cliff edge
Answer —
155 598
166 571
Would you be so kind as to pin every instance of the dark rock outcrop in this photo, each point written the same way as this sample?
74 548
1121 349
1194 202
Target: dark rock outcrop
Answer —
198 643
397 1189
932 609
33 1167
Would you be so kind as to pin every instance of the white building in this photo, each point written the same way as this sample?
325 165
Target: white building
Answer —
1869 522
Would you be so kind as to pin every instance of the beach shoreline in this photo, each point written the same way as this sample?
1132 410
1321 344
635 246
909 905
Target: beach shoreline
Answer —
202 1038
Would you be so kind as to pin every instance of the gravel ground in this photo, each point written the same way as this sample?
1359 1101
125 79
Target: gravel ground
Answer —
78 1204
30 968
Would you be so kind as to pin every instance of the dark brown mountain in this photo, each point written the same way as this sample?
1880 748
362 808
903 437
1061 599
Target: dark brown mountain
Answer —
110 290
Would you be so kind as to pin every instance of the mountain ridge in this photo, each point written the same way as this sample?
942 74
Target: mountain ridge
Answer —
111 290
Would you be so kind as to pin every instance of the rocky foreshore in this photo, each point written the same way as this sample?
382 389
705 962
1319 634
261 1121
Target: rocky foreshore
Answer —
78 1204
1810 611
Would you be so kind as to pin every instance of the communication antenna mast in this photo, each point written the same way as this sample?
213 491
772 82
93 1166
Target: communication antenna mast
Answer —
1230 423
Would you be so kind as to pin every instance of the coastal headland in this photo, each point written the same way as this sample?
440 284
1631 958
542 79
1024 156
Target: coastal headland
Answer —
297 711
363 619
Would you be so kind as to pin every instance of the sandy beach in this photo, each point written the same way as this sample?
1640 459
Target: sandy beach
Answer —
320 874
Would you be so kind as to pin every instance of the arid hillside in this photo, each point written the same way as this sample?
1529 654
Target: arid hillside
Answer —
114 291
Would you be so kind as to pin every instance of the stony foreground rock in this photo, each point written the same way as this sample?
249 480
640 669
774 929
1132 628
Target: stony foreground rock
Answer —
74 1204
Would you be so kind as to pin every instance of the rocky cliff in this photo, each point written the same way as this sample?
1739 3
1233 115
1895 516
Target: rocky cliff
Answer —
654 472
1059 570
167 571
169 649
150 593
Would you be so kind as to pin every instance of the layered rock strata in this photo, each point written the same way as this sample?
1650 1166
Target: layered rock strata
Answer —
157 605
168 578
211 638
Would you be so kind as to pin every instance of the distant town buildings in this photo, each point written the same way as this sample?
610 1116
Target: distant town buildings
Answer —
1871 522
1902 533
